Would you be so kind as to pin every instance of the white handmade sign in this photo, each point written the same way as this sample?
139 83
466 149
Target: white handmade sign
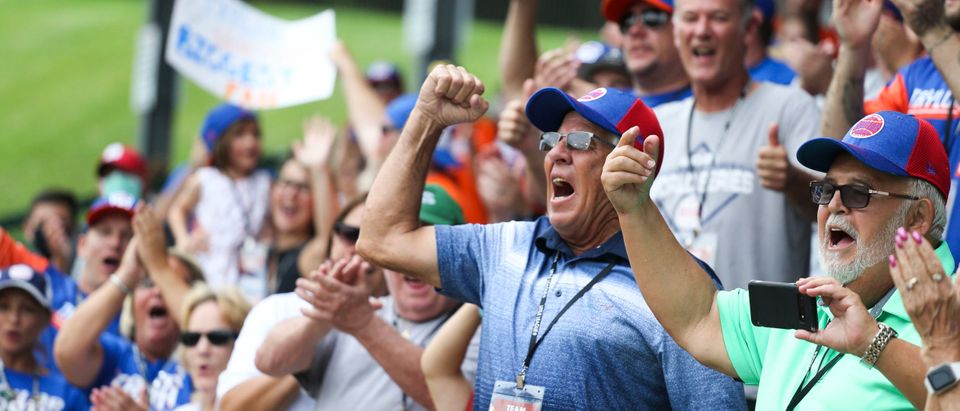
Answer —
250 58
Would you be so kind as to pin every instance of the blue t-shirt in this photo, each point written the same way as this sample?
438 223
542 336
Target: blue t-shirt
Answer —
607 351
773 71
55 393
170 385
653 100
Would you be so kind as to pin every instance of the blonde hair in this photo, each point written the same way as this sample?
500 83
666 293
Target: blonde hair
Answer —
233 307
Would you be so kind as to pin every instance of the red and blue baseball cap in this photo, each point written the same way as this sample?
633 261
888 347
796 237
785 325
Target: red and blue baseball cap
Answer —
117 202
220 119
887 141
23 277
117 156
611 109
615 10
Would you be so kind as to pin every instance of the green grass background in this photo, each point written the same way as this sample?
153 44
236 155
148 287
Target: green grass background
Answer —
65 69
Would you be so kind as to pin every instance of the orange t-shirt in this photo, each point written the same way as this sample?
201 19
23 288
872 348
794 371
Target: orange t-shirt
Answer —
12 252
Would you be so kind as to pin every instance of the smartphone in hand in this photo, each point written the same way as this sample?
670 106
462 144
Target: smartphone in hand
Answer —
781 305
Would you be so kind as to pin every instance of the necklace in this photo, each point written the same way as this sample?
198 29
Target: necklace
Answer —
7 392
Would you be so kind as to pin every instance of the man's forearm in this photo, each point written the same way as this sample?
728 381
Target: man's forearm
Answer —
943 46
261 393
900 363
290 346
675 287
844 103
518 48
395 195
364 109
398 357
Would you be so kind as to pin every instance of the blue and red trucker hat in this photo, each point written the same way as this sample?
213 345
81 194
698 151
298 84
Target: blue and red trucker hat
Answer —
118 202
615 10
611 109
887 141
220 119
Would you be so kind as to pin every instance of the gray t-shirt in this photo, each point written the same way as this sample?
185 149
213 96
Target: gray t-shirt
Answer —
743 230
344 376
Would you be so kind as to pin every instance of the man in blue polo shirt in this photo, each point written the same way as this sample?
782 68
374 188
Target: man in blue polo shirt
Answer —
564 326
885 184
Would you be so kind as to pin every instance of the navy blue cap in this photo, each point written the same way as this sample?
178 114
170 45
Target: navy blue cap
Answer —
25 278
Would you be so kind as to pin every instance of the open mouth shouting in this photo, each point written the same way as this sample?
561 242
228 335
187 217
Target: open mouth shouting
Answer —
840 238
561 189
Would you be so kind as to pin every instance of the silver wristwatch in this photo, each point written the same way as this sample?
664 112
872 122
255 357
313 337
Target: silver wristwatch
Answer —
876 346
942 377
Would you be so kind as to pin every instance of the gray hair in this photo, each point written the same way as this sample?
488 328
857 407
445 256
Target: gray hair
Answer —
923 189
746 12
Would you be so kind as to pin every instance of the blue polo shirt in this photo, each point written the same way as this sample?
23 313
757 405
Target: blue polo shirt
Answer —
773 71
653 100
54 393
607 351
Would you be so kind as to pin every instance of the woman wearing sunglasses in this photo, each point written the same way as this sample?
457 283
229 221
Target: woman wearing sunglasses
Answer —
24 313
211 322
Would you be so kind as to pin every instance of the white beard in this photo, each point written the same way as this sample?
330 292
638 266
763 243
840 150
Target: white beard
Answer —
871 253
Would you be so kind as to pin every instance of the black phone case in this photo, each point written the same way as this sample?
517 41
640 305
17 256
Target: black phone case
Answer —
780 305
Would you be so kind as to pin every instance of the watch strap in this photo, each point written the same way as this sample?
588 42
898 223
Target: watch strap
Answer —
880 341
952 366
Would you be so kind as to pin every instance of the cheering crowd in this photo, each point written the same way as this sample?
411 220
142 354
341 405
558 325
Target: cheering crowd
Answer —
587 244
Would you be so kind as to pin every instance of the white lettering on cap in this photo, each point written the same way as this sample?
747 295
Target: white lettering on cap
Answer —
593 95
20 272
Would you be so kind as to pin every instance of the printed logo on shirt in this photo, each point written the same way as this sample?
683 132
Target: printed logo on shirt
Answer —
868 126
164 389
593 95
62 314
24 402
930 101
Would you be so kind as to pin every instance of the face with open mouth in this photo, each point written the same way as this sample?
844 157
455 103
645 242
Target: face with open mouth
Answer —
645 49
102 246
156 330
205 361
576 204
22 319
291 204
853 241
416 300
711 40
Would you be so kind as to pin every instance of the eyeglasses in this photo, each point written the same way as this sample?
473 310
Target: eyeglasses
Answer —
299 187
216 337
576 140
651 18
852 195
347 232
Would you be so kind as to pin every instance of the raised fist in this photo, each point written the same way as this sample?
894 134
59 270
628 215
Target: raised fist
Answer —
451 95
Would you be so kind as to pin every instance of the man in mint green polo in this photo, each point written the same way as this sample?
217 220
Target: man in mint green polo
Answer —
886 182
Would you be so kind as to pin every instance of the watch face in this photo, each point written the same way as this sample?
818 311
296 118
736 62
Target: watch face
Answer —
941 378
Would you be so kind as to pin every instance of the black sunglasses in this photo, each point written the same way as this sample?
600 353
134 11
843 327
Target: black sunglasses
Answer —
651 18
347 232
576 140
851 195
216 337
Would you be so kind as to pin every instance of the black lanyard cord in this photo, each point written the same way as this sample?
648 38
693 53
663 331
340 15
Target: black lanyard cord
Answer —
804 389
534 341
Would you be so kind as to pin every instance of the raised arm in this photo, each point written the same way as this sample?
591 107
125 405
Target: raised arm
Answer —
391 223
153 253
683 299
443 358
518 47
856 21
180 210
77 348
364 109
319 137
926 19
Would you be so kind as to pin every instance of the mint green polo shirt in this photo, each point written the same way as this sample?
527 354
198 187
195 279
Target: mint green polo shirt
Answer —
777 361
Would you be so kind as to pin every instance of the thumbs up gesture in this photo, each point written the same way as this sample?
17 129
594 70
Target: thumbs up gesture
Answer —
629 172
773 165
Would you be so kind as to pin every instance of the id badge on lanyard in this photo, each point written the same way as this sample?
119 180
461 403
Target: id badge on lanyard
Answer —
253 269
507 396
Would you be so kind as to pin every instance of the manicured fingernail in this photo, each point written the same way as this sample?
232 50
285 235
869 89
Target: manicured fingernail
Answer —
899 240
917 237
901 232
893 261
651 163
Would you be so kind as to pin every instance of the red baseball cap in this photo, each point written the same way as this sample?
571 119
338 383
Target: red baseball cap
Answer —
117 156
118 202
614 10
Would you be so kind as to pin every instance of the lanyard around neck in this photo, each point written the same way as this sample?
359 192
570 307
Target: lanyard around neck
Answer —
709 169
7 391
804 389
534 342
